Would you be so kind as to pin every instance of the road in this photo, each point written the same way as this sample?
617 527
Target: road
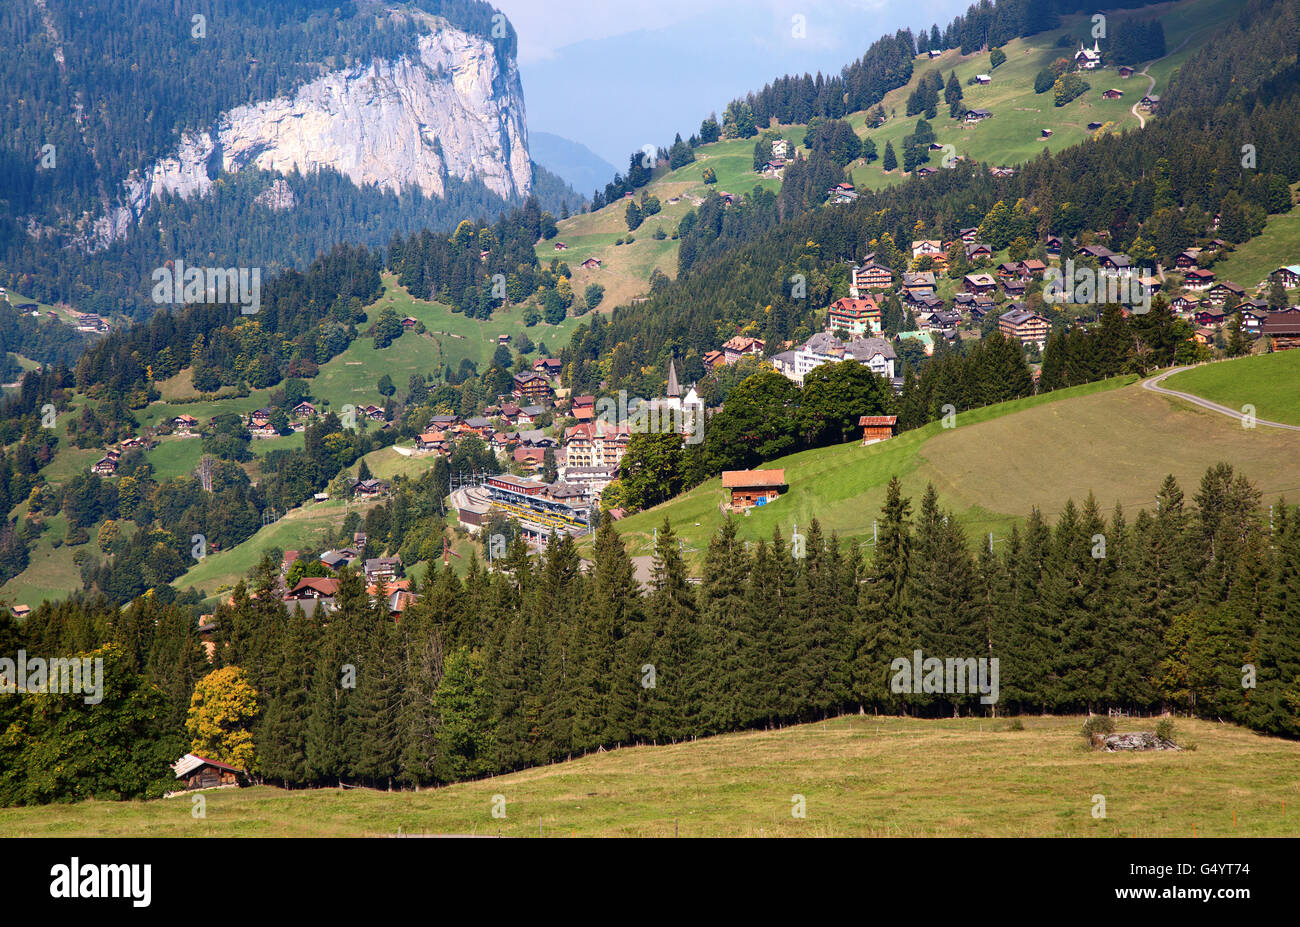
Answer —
1153 384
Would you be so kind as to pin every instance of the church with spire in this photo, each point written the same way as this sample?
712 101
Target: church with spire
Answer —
1088 59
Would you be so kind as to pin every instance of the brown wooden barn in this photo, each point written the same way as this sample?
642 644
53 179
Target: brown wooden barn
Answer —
753 487
877 427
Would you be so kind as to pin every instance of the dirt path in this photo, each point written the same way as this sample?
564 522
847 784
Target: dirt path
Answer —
1154 386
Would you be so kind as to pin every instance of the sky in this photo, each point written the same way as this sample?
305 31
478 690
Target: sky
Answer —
619 75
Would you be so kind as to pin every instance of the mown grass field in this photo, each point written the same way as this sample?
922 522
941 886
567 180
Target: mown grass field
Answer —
1113 439
860 776
1269 382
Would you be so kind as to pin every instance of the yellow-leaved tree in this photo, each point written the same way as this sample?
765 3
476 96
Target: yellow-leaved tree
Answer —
222 709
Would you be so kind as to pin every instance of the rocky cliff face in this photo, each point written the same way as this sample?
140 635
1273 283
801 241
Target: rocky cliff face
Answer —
454 109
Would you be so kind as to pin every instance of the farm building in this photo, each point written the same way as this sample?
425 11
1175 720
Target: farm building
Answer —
198 772
877 428
751 488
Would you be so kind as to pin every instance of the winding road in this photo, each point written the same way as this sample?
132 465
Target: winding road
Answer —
1154 386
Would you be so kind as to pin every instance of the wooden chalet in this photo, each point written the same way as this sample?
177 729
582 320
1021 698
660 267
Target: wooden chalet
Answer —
750 488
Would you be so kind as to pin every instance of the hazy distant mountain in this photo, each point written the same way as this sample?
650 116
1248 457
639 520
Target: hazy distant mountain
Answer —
573 162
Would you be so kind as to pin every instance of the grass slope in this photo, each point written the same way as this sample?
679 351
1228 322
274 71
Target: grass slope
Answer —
860 776
1269 382
1115 440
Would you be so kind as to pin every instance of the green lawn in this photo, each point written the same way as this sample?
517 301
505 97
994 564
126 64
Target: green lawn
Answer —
859 776
1269 382
1109 438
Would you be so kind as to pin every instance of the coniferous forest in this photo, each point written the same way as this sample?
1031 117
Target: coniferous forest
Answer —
1194 606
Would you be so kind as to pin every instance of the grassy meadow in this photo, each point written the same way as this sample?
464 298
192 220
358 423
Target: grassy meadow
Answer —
859 776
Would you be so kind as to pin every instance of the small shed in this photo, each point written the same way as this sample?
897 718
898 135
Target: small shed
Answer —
750 488
199 772
877 428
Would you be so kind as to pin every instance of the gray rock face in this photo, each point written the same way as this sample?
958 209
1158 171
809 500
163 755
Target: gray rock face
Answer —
454 109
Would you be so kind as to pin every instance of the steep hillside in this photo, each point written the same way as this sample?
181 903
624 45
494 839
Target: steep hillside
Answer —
859 776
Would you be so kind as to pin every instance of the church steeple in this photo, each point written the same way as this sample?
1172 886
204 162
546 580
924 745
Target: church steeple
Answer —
674 390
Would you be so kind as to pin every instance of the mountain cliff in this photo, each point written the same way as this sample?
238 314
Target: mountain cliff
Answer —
453 108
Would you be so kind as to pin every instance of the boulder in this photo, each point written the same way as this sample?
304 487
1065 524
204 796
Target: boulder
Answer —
1137 740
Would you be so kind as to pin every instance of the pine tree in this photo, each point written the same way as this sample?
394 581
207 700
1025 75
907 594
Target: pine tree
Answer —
891 160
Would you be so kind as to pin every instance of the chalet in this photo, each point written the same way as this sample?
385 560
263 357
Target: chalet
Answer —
536 437
591 264
942 320
314 587
1097 252
1052 244
1253 313
531 385
1210 317
583 408
1182 305
503 441
1025 326
561 246
976 250
304 409
337 559
977 312
20 611
548 366
713 359
872 276
1009 269
742 346
1014 288
1115 262
750 488
510 412
977 115
198 772
1226 291
503 339
132 443
877 428
1289 275
773 169
1125 72
531 459
1150 103
780 148
105 466
1002 171
369 489
927 247
856 316
1032 268
1284 328
926 172
478 425
842 193
1088 59
1112 94
1187 260
930 304
935 53
983 79
384 568
529 414
372 412
443 422
979 283
1199 279
184 424
919 284
1204 336
1045 133
409 323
